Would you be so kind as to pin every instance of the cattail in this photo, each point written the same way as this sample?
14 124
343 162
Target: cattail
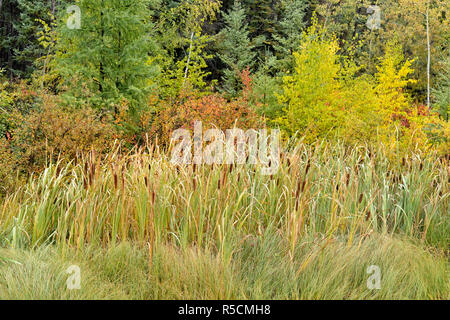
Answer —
307 167
368 215
115 181
297 193
153 197
91 174
146 181
360 198
421 165
224 177
303 185
231 167
347 179
194 167
113 171
403 161
239 177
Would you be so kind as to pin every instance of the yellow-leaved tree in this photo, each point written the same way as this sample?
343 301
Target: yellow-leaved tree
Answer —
403 126
311 91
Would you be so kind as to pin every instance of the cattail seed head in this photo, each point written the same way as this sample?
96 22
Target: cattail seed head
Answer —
307 167
115 181
146 181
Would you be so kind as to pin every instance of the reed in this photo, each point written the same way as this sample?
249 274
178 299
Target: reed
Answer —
324 194
330 189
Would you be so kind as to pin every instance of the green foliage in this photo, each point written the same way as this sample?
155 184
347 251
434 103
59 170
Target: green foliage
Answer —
19 28
262 23
106 61
5 102
180 29
180 77
236 49
289 33
441 93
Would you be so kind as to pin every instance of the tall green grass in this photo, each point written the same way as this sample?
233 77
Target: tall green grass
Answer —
142 197
260 269
307 231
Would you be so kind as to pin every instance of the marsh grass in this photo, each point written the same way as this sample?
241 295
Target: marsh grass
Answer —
222 231
261 269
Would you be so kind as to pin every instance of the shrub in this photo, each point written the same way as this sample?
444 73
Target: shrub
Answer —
213 109
53 132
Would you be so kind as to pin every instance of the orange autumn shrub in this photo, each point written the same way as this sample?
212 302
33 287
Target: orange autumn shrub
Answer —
213 109
52 132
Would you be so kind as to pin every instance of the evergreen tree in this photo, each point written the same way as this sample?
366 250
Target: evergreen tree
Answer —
107 60
288 37
19 28
263 20
236 48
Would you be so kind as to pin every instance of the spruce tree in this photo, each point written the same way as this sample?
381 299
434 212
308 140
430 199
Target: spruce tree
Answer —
288 37
235 48
263 21
19 28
